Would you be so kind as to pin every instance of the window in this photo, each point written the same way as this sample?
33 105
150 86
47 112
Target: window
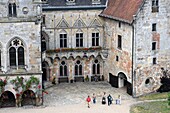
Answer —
12 11
43 20
63 69
119 24
153 27
153 45
43 43
79 39
96 2
78 68
119 42
154 60
95 39
70 2
117 58
63 40
155 6
16 53
96 67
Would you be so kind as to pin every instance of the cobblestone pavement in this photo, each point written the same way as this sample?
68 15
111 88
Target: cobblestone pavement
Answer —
76 93
70 98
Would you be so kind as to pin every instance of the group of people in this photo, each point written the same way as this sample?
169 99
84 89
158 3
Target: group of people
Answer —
109 99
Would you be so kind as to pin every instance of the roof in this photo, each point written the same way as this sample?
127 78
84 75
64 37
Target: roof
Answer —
79 4
122 10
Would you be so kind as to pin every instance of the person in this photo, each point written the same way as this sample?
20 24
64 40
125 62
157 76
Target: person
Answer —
88 101
110 99
104 98
94 98
119 99
53 80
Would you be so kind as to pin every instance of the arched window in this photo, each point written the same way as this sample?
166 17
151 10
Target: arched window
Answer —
63 69
12 11
16 53
12 56
43 44
96 67
78 68
20 56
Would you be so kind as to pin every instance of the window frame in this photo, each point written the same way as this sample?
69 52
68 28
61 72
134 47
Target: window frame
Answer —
95 39
63 69
154 44
79 39
12 10
63 40
119 42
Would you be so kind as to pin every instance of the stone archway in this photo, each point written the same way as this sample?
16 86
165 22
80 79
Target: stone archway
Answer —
46 72
123 82
28 98
7 99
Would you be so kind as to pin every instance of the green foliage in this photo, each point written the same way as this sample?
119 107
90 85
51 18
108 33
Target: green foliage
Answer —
150 107
169 99
154 96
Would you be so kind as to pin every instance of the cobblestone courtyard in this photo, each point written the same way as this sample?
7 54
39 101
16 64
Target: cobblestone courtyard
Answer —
70 98
76 93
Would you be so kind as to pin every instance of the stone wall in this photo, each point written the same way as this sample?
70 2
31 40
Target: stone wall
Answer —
124 55
143 57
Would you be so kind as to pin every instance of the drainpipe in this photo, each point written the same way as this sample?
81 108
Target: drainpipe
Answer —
133 48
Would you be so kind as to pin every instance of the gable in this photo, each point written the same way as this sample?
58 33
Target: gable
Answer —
79 23
63 24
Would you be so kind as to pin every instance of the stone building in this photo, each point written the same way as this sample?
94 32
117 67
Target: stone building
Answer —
127 44
138 40
73 37
20 52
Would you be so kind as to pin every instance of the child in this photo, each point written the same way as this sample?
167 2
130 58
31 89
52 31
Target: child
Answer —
88 101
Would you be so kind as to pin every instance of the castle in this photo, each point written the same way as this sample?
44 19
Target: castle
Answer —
123 42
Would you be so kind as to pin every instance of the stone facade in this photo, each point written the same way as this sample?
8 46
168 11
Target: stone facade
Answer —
133 49
72 22
147 78
20 46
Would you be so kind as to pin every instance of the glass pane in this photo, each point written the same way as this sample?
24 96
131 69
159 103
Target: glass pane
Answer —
93 41
94 69
61 43
76 70
97 41
80 70
20 56
93 34
98 68
65 42
43 46
10 10
97 34
61 71
81 34
81 42
65 70
14 10
77 42
12 56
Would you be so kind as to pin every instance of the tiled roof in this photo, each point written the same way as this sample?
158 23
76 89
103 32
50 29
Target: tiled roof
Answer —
63 3
122 10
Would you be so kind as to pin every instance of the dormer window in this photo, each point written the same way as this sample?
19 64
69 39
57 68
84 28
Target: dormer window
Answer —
70 2
96 2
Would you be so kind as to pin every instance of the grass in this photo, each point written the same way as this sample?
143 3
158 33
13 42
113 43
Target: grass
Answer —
151 107
155 96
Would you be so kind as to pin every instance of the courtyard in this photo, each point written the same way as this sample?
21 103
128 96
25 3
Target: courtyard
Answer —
70 98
